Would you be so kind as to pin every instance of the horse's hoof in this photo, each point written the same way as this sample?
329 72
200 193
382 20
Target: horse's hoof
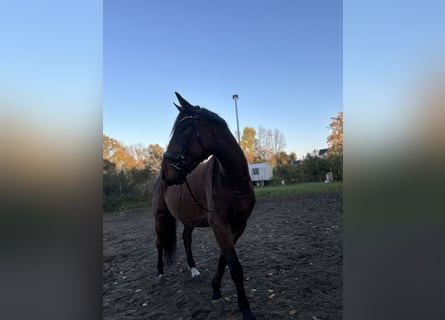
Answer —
248 315
195 273
159 278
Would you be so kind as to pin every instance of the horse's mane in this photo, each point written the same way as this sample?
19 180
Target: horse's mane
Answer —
203 112
212 117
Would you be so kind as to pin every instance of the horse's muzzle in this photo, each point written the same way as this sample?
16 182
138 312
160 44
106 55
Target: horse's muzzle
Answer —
179 178
178 163
170 183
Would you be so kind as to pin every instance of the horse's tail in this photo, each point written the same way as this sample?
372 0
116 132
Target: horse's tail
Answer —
165 225
168 236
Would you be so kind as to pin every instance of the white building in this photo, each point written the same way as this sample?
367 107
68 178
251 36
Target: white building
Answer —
260 172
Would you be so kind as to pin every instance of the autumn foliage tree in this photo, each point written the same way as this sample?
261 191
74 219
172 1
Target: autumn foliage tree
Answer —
262 145
117 153
248 143
282 158
335 140
128 172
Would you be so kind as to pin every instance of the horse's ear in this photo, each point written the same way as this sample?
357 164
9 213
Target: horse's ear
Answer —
180 109
184 103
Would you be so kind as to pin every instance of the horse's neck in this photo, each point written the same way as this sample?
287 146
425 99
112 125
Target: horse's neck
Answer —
233 165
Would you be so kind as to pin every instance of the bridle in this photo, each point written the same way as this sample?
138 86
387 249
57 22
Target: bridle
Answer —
178 162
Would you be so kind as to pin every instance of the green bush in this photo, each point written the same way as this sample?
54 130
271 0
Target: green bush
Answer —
121 187
311 169
335 165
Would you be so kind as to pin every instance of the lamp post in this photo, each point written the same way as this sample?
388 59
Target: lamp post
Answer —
235 97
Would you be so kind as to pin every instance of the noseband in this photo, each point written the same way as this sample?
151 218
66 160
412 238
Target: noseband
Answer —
178 162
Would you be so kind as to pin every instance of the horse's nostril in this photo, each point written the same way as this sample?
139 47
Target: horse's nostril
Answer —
163 177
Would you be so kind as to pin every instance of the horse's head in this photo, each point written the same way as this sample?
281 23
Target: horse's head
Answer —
186 148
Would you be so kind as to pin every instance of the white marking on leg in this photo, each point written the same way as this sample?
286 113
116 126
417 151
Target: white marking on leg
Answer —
160 278
195 272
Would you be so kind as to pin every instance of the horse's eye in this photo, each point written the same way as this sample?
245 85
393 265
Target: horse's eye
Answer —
181 129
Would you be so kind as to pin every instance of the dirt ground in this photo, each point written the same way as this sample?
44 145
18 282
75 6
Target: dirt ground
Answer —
291 252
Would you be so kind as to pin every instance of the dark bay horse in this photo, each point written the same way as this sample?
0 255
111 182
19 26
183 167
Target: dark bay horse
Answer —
216 193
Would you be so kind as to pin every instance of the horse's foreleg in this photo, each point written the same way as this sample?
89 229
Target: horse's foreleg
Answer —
216 281
237 274
187 238
225 241
238 232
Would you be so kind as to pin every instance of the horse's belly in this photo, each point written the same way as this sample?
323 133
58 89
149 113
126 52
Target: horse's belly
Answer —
202 223
184 209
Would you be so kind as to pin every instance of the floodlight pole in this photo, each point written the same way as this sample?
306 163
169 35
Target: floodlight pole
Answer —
235 97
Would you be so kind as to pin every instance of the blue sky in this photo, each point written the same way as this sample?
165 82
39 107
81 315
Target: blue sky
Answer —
284 61
390 50
51 66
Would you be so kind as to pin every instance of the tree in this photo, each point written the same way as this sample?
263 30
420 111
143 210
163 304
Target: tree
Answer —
263 145
268 144
282 158
128 172
248 143
278 144
153 158
117 153
287 173
335 140
108 147
314 168
335 165
278 141
137 152
110 183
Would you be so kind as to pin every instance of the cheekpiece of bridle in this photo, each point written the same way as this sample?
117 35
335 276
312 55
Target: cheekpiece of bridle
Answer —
178 162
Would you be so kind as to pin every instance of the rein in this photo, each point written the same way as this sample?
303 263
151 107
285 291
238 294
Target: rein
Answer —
197 203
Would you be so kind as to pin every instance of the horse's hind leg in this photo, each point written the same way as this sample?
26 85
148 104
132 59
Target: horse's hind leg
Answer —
165 225
160 264
187 238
